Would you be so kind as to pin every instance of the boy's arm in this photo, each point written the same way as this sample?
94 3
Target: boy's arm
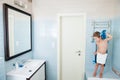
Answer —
109 37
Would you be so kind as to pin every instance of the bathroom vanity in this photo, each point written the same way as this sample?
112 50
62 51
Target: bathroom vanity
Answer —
32 70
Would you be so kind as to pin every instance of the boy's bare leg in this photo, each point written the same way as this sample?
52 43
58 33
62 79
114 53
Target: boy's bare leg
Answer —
101 70
95 71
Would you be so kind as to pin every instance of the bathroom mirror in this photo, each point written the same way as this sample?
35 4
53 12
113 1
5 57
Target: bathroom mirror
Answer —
17 32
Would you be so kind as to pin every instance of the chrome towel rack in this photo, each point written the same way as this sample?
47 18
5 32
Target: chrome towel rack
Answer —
100 25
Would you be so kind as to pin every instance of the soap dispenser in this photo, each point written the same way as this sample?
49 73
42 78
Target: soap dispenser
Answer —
16 65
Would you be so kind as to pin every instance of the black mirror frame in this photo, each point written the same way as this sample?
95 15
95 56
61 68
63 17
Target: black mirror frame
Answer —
6 33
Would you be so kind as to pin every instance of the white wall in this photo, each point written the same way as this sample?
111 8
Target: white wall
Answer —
118 8
93 8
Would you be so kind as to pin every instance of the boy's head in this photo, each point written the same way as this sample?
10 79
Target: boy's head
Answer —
96 35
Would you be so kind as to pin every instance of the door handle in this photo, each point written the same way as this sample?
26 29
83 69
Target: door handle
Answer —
79 52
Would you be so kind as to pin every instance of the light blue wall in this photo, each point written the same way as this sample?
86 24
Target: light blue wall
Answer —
6 66
2 62
45 45
116 43
90 47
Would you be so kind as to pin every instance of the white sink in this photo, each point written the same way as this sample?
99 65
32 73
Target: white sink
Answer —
27 70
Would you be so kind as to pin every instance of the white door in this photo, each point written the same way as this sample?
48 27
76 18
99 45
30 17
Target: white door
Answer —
72 47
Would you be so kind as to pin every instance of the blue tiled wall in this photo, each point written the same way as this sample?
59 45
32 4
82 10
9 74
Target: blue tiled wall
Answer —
2 63
45 45
90 47
6 66
116 43
2 69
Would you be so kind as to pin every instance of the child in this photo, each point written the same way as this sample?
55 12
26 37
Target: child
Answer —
102 46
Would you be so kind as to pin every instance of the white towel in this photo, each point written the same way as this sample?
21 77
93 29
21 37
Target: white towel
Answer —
101 58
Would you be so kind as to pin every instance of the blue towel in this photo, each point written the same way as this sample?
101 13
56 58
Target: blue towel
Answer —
103 34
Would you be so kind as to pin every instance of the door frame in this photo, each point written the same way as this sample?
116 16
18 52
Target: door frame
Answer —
59 41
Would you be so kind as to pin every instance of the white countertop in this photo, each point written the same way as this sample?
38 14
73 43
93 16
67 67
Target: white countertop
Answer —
27 70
